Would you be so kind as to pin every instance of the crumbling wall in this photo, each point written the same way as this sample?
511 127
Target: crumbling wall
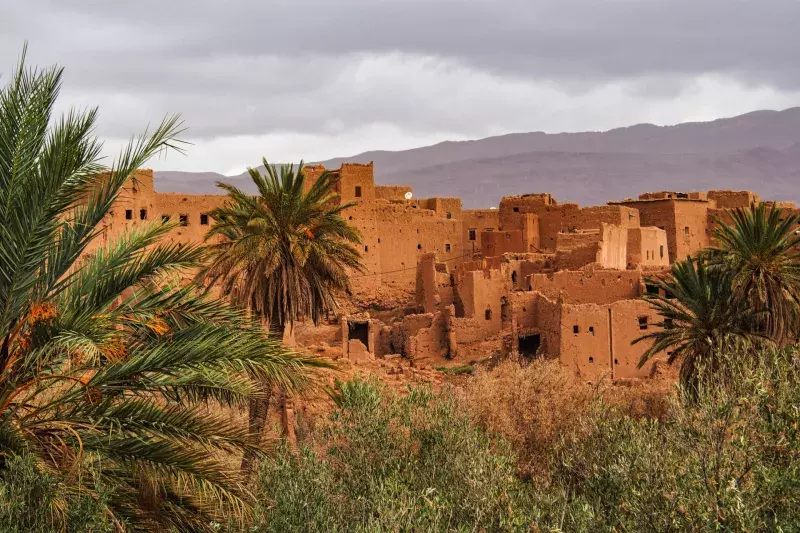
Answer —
647 246
588 286
497 243
474 222
733 199
392 192
480 293
630 320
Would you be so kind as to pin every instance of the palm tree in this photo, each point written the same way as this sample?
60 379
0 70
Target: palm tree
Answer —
104 362
285 253
701 318
760 251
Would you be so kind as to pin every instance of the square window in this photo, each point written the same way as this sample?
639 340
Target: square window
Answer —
449 214
472 234
516 209
447 247
642 322
129 214
142 214
204 220
164 218
184 219
358 191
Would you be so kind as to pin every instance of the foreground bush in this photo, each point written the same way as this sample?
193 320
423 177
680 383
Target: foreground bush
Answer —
393 464
729 460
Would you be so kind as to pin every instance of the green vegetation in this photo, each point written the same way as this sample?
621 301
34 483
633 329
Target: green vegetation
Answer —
285 254
740 294
457 370
107 366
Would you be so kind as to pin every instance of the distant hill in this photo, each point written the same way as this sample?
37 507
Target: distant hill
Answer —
759 151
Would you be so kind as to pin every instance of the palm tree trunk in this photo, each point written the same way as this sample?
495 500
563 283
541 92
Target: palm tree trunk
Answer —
258 410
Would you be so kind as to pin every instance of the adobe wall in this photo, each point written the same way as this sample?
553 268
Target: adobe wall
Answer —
497 243
588 286
480 293
392 192
733 199
596 339
613 247
606 247
354 176
625 319
474 222
647 246
684 220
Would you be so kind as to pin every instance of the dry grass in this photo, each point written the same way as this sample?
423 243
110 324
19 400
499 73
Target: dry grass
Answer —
534 406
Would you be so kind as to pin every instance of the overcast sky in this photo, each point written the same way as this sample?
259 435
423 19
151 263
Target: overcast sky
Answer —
316 79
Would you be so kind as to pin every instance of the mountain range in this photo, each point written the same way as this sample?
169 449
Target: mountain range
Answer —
758 151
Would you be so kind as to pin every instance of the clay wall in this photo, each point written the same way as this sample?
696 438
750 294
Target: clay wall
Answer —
497 243
613 247
588 286
474 222
480 294
357 183
684 220
586 340
647 246
392 192
630 320
733 199
588 218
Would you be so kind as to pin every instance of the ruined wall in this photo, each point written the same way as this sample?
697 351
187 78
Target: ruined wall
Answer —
497 243
630 320
613 247
647 246
684 220
480 293
474 222
392 192
588 286
733 199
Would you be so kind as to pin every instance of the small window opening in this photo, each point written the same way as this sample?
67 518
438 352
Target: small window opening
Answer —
516 209
142 214
129 214
164 218
358 191
591 360
379 240
349 218
576 329
616 361
419 247
651 289
686 231
487 314
642 322
529 345
447 247
472 234
204 220
366 248
661 251
184 219
514 277
591 330
449 214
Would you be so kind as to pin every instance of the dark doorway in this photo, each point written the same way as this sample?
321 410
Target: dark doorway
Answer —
529 344
360 331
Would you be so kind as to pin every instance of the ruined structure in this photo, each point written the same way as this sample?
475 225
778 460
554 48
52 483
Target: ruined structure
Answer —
533 278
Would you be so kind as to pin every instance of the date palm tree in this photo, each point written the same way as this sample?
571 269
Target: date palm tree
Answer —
105 363
759 249
701 318
285 254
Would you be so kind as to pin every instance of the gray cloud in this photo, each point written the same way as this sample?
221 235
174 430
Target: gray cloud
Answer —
428 68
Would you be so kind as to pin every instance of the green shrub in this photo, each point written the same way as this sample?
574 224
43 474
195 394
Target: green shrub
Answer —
32 501
388 463
729 460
